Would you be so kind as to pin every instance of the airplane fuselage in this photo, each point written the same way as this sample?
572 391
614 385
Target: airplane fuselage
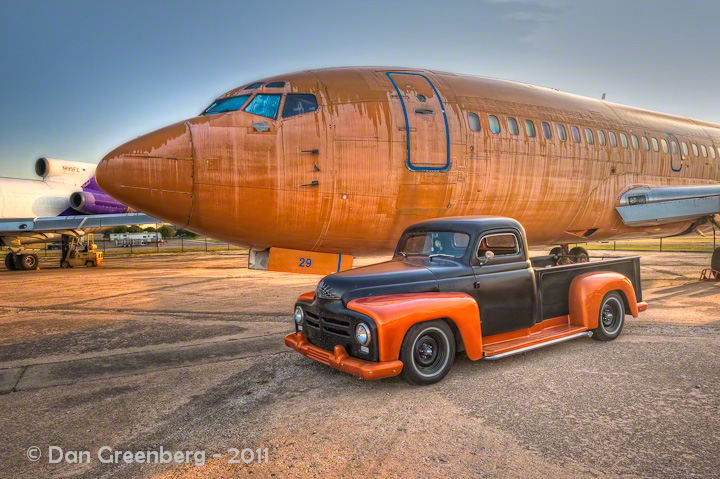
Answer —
387 147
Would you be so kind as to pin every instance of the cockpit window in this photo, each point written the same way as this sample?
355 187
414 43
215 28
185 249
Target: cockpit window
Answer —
446 243
275 84
227 104
297 104
264 105
253 86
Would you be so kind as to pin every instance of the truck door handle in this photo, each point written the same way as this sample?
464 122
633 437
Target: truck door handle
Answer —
312 152
476 284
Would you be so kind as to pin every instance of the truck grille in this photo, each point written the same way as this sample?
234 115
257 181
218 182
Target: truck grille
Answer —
325 292
335 326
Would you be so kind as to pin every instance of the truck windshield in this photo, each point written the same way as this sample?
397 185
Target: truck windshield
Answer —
447 243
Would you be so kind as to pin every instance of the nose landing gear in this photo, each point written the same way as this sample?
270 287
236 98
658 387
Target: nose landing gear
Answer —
569 256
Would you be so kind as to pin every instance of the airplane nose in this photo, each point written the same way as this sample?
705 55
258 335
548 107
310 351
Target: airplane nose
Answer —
153 174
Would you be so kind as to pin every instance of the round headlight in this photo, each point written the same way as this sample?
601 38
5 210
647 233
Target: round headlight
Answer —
362 334
298 315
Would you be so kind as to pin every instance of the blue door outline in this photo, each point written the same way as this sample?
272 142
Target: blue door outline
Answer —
407 125
671 154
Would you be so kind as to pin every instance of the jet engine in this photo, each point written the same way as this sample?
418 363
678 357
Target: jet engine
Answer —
95 203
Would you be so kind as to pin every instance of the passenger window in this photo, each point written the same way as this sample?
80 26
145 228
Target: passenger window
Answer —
635 142
695 150
547 131
704 151
275 84
613 138
646 144
264 105
685 148
623 140
656 146
502 244
253 86
226 104
575 133
674 147
601 137
474 121
297 104
664 145
589 136
494 123
513 126
562 134
712 152
530 128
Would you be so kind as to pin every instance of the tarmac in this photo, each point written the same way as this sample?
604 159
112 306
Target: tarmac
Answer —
186 353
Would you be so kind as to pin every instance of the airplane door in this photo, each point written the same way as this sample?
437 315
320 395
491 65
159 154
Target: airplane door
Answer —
426 126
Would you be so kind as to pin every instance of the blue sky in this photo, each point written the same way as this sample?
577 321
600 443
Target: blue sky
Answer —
79 78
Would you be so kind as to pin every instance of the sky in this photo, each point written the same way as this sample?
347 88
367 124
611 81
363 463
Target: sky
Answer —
78 78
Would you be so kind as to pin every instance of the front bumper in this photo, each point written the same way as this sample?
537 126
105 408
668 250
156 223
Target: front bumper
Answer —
340 359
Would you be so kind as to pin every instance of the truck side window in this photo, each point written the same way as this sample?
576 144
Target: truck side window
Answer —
502 244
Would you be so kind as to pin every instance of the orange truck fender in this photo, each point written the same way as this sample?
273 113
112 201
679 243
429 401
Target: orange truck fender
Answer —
395 314
588 290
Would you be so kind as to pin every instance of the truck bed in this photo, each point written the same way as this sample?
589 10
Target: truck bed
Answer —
553 283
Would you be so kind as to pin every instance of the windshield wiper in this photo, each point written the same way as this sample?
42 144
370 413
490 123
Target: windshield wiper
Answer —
440 254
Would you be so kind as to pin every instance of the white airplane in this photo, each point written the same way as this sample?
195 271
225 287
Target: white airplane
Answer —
65 202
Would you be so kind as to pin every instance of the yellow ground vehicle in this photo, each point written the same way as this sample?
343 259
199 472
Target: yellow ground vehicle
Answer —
79 251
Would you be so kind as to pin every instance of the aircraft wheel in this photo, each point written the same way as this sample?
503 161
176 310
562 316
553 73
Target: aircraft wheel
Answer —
26 261
610 318
715 262
10 262
580 253
557 251
64 264
427 352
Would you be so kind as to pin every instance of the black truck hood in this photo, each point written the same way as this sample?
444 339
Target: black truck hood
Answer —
403 275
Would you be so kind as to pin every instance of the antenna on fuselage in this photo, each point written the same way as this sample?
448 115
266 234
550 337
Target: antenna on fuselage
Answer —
603 97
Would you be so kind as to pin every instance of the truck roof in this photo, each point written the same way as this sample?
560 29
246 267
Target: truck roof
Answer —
470 224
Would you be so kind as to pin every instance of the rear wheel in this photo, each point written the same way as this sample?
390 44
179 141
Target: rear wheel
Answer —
715 262
579 255
88 264
428 352
610 318
10 262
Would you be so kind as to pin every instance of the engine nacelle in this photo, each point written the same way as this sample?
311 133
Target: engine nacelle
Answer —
63 171
95 203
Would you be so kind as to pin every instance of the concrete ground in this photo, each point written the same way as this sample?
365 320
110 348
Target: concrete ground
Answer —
186 353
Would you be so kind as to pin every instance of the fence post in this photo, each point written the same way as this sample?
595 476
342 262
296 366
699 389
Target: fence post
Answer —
206 243
46 242
182 244
614 245
661 245
157 239
131 245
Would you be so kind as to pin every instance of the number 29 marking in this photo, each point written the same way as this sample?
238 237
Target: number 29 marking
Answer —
305 263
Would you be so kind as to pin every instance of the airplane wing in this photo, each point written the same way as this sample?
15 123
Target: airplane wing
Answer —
39 225
657 205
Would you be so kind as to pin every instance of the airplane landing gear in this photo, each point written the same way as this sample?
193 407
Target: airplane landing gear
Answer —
21 261
568 256
715 262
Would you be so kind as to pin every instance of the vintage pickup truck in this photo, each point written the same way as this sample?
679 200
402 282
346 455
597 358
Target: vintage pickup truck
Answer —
460 284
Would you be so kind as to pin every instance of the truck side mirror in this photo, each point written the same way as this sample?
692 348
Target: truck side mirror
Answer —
488 256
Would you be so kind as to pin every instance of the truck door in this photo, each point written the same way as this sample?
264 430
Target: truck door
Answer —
505 285
426 129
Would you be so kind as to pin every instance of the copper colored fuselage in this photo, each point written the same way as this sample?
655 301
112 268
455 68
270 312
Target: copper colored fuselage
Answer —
388 147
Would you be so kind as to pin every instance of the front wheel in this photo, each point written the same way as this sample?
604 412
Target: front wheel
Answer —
427 352
610 318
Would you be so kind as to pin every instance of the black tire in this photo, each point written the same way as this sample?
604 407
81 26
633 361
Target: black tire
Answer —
26 262
715 262
10 262
88 264
556 251
579 255
427 352
611 317
64 264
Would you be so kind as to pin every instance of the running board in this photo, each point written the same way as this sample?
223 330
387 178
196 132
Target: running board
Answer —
538 345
